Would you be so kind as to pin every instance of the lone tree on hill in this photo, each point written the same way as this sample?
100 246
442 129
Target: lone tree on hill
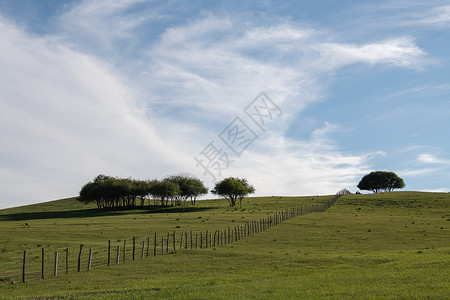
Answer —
233 188
381 181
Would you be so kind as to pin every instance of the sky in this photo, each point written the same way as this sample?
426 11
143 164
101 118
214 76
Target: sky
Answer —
299 97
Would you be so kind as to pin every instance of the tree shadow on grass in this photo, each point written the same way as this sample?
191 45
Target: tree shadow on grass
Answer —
95 212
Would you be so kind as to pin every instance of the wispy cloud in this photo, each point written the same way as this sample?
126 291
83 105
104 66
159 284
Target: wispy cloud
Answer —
397 52
418 172
69 113
435 16
432 159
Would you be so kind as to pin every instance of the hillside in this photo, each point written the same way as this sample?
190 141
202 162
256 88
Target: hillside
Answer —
389 245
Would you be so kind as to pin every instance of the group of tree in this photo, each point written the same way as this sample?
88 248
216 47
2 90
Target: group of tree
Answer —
114 192
381 181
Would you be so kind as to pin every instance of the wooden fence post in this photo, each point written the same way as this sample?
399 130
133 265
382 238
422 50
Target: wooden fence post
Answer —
43 263
181 240
118 255
206 239
162 246
185 240
23 267
90 259
174 250
79 258
201 240
109 251
134 246
191 239
196 240
154 247
148 245
143 248
167 243
55 271
67 260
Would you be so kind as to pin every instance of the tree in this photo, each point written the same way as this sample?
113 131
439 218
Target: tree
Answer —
190 188
165 190
381 181
233 188
195 188
343 192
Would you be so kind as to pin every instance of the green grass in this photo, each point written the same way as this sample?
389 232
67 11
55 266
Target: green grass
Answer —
391 246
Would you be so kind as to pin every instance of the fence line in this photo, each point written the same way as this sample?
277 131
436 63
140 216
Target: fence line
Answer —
39 266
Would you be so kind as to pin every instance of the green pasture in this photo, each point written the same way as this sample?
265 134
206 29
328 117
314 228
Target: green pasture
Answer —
383 246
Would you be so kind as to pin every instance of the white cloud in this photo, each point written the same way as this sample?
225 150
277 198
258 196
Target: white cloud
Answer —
438 190
400 52
69 115
438 16
432 159
66 117
418 172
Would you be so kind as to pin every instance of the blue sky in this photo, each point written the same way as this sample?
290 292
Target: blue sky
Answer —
145 89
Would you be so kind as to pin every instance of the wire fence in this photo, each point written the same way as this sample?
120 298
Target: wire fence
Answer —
27 265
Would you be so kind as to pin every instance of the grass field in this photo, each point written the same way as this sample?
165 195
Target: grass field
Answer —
391 245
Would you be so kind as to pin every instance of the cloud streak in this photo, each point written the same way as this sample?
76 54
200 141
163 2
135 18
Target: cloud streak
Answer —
69 112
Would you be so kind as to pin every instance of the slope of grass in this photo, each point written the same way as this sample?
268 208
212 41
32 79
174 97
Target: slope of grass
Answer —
390 245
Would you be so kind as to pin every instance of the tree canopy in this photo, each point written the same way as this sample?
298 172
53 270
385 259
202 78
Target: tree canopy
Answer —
114 192
378 181
232 189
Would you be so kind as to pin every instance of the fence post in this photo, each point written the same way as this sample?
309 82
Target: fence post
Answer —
24 262
79 258
43 263
162 246
148 245
90 259
167 243
118 255
55 272
143 248
201 240
154 246
174 242
206 239
67 260
185 240
181 240
134 246
191 239
196 240
109 251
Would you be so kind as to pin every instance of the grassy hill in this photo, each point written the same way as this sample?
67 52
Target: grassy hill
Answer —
389 245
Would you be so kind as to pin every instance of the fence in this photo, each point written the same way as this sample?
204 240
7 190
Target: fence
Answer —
44 263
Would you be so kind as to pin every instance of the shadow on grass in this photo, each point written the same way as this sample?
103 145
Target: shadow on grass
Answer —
95 212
